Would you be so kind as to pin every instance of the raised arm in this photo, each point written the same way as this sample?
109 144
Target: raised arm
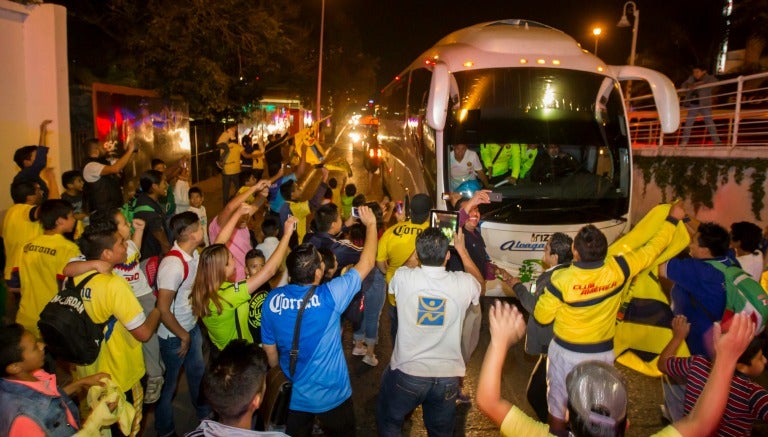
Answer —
229 226
236 201
507 328
680 330
44 133
274 261
118 166
368 255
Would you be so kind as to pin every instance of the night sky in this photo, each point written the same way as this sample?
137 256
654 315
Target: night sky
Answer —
396 31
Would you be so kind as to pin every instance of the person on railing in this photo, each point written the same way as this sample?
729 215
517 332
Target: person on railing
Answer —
698 100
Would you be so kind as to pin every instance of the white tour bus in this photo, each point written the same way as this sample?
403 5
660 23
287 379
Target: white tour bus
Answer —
518 82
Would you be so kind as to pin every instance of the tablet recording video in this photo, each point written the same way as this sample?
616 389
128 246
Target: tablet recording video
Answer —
446 221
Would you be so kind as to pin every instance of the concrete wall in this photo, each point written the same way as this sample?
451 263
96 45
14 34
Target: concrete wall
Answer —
732 202
34 86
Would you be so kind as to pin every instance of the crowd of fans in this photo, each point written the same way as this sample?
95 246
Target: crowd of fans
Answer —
220 299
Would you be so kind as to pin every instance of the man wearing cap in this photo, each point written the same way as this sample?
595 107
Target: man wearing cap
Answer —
397 245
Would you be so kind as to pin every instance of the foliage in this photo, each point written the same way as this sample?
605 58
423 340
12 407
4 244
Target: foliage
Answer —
697 179
219 56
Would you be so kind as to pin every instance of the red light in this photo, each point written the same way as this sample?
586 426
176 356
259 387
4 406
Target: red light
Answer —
397 77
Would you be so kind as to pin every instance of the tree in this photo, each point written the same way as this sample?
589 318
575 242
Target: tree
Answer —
218 56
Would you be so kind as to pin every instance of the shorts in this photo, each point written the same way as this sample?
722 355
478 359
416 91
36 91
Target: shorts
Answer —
560 362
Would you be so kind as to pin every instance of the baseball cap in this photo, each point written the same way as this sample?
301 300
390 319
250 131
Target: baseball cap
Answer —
597 399
420 206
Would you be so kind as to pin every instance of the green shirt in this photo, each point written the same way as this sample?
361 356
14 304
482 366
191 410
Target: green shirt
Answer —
234 302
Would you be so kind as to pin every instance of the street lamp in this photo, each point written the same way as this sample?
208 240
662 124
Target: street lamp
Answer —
596 31
320 61
624 22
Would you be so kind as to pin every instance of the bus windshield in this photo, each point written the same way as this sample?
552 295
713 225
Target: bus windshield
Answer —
553 142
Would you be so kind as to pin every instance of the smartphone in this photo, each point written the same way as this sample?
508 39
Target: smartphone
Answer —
294 223
446 221
355 212
399 206
494 197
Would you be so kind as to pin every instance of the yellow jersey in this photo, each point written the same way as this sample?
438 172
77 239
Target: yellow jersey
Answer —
18 228
41 273
232 164
582 300
396 245
110 295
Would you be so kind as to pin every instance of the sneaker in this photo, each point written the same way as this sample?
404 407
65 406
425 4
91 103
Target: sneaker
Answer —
359 351
371 360
462 398
154 387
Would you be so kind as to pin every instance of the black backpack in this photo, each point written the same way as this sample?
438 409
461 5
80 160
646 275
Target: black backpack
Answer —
68 331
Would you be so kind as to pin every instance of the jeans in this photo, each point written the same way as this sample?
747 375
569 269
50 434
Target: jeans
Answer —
374 302
194 365
401 393
706 114
228 181
151 348
339 421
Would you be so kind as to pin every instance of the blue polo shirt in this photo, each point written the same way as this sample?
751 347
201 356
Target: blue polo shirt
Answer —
321 381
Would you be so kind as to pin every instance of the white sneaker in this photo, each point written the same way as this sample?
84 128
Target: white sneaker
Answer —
371 360
359 351
154 387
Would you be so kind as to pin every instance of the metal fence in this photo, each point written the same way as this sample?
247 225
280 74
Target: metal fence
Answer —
739 112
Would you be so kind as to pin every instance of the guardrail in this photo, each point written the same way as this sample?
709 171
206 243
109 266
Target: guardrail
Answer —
739 112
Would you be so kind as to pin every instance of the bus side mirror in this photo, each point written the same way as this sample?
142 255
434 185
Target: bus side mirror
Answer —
664 93
437 103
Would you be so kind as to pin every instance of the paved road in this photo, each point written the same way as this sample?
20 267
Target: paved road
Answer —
644 392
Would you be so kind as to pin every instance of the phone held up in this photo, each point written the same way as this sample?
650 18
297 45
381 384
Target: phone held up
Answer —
355 212
446 221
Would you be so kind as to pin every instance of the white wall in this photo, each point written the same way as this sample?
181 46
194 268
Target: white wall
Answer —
732 202
34 85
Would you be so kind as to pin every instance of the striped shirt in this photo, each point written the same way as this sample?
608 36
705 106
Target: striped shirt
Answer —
746 402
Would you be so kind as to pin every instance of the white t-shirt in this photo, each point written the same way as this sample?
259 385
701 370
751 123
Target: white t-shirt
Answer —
181 196
431 304
203 216
464 170
170 276
132 271
753 264
268 246
92 171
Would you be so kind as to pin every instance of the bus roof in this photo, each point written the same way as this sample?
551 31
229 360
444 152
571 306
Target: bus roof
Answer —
506 44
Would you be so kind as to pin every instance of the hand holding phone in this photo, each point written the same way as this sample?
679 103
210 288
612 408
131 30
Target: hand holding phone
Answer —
399 206
495 197
355 212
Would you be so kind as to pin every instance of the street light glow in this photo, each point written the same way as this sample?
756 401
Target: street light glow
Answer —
624 22
597 31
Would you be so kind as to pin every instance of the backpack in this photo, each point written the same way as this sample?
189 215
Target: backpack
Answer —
742 293
129 210
153 265
68 331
